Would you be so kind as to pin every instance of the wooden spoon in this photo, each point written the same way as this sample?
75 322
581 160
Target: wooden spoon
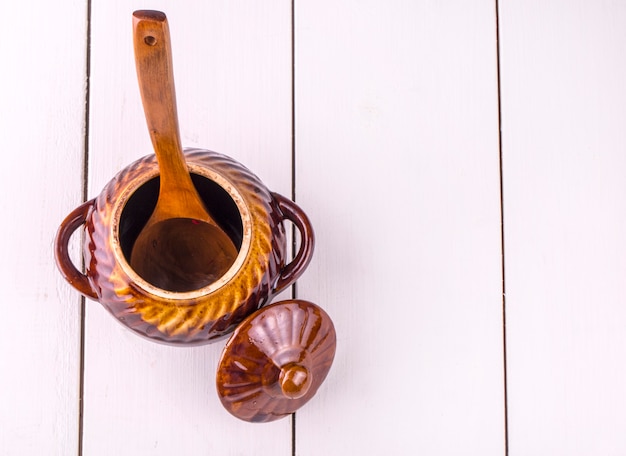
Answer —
181 248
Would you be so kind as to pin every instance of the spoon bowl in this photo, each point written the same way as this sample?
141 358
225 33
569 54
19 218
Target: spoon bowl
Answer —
182 254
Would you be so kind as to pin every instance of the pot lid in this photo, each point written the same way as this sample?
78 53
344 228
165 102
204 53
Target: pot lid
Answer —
275 360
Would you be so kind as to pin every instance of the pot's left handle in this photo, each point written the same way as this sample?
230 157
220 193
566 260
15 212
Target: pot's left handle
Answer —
74 277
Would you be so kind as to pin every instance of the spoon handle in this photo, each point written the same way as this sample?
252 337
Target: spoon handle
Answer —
153 58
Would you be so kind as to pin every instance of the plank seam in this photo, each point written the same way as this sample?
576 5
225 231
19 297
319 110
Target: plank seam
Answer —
502 233
294 289
85 193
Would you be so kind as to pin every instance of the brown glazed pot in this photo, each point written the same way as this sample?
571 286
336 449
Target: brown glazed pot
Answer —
250 214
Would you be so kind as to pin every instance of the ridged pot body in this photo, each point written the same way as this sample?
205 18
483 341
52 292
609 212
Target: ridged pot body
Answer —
251 215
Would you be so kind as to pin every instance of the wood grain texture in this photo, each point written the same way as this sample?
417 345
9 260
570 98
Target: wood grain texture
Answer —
564 112
397 164
233 86
42 99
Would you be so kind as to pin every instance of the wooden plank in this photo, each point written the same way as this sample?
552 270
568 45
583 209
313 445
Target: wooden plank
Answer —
232 65
397 165
41 125
564 112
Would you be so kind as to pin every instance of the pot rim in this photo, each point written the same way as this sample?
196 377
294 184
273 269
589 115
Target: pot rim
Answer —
190 296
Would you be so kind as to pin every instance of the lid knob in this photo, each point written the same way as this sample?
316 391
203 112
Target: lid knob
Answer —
295 380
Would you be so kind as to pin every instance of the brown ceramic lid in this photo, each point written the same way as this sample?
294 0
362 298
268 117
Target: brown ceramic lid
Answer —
275 360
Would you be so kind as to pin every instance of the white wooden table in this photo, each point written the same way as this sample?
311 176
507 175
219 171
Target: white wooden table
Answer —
463 163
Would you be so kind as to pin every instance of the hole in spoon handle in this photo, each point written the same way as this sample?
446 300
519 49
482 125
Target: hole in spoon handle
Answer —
150 40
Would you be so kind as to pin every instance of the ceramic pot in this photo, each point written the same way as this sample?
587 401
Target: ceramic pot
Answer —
251 215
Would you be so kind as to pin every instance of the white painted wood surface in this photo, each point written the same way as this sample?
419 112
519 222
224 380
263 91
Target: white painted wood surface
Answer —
41 127
397 162
564 147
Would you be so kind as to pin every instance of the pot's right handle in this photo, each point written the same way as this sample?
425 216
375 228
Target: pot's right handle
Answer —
292 212
73 276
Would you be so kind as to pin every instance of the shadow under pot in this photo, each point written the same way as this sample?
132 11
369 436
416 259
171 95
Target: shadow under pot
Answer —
251 215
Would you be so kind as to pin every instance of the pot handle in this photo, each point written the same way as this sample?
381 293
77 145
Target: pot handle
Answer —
73 276
292 212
